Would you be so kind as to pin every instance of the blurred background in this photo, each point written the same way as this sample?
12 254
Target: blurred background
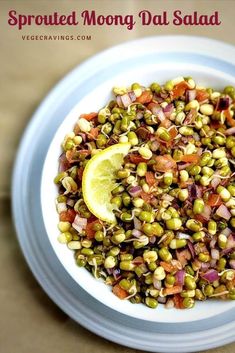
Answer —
29 320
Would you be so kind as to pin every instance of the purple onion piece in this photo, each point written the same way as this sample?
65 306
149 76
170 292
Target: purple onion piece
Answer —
132 96
223 212
230 131
190 95
191 249
136 233
210 276
135 191
152 239
232 264
116 273
179 276
161 300
126 101
137 223
168 110
215 254
157 284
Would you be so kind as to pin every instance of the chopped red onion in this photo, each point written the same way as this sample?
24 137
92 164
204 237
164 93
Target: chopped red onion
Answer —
139 115
158 99
156 283
213 263
83 136
155 146
167 197
190 117
215 182
126 101
119 101
196 136
61 207
135 191
152 239
161 300
63 163
168 110
205 266
190 95
230 131
223 212
231 241
210 276
137 223
70 202
136 233
179 276
116 274
215 254
156 110
181 235
191 249
182 166
79 223
226 251
195 191
206 214
227 231
213 242
132 96
232 264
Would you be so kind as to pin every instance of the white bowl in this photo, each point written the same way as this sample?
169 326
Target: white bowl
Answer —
210 63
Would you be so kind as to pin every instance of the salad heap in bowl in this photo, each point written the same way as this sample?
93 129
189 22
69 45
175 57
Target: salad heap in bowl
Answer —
146 193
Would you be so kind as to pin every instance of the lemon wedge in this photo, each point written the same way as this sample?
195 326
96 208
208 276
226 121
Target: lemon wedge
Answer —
99 179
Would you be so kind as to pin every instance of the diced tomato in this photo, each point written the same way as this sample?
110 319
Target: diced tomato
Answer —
190 158
145 97
164 163
92 135
214 200
173 132
136 158
150 178
179 90
178 301
119 291
68 216
89 116
167 267
229 118
152 105
183 256
200 218
146 197
90 232
172 290
201 95
215 124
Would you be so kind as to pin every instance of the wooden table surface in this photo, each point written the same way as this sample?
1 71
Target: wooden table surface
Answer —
29 320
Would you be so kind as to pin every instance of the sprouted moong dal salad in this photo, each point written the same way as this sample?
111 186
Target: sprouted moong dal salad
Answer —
147 193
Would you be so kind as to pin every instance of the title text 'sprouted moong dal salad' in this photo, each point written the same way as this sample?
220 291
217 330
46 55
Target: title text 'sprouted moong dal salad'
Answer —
154 215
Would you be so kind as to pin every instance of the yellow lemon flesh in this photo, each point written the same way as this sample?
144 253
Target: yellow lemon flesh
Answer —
99 179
